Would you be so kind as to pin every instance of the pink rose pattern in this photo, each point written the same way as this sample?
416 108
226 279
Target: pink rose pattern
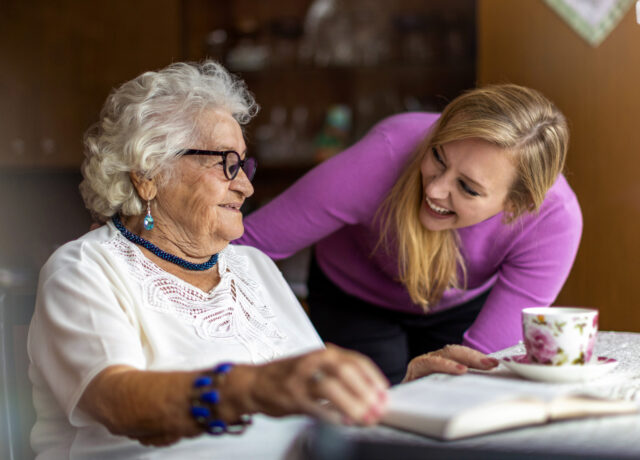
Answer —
592 340
541 344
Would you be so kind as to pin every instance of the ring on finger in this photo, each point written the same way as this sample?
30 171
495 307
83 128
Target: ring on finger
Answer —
317 377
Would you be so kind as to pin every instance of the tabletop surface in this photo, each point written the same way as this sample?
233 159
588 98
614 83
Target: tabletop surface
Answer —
602 437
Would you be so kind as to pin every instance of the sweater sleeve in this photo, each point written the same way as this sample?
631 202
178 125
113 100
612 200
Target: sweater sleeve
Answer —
344 190
533 274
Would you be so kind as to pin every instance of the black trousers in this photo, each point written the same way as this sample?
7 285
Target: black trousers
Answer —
391 339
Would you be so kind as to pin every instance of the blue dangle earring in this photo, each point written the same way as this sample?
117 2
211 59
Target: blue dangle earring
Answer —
148 220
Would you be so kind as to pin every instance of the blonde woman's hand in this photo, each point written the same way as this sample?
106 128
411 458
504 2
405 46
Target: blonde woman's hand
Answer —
452 359
333 384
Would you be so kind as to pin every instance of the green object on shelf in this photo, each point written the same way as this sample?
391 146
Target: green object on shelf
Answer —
325 140
333 137
339 116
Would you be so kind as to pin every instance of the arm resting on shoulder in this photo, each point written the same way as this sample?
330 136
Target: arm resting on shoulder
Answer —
347 189
324 200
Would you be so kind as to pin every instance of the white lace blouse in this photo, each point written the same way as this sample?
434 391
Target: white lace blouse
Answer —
102 302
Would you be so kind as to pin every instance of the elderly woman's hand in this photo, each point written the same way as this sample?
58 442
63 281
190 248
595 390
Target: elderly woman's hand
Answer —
333 384
452 359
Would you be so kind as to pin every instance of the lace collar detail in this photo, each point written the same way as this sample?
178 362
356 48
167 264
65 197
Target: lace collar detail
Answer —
233 310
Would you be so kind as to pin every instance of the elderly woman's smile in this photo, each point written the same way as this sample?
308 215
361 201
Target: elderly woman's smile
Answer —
231 206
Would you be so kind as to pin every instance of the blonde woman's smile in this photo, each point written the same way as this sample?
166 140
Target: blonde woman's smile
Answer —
436 210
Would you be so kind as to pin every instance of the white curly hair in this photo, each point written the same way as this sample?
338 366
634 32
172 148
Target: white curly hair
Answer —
146 123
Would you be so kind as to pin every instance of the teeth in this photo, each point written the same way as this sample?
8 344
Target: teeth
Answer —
437 209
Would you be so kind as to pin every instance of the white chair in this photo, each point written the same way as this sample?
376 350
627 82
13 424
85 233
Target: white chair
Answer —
17 415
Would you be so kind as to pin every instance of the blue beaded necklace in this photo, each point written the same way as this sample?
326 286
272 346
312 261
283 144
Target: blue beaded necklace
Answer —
159 252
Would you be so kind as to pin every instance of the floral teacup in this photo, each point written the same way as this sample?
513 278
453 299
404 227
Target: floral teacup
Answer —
559 336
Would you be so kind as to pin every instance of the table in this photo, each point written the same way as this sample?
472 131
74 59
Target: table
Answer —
605 437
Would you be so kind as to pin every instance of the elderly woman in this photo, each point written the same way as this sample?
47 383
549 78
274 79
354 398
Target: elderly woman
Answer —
152 329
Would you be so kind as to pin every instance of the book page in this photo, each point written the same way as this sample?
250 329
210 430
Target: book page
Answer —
584 406
454 406
497 416
447 395
450 407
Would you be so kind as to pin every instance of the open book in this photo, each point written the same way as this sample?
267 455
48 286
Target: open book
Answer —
452 407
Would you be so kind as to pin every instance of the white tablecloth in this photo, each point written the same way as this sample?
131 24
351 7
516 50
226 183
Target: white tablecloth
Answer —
607 437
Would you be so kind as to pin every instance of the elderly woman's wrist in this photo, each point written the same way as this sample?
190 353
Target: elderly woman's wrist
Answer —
219 400
239 386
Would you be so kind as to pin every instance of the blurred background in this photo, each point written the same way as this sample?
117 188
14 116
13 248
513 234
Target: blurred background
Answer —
324 71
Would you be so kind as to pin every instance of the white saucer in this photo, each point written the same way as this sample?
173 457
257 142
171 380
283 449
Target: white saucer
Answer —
560 374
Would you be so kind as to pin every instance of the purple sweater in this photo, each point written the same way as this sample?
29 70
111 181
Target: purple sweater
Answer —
525 263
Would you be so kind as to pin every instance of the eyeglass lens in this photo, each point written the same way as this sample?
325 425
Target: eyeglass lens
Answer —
233 165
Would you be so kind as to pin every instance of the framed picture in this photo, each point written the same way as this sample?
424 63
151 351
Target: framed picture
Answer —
593 20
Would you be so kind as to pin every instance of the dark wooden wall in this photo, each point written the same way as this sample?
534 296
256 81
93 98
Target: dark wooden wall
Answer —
58 61
598 89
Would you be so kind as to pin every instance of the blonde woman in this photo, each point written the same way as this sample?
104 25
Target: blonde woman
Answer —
434 228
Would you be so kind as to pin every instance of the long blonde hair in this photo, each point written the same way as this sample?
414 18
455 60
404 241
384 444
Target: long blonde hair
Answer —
517 119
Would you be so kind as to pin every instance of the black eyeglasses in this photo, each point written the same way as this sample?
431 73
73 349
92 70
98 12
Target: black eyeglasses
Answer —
231 162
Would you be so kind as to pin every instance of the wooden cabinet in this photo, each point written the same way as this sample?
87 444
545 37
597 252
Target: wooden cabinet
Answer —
386 58
59 60
398 56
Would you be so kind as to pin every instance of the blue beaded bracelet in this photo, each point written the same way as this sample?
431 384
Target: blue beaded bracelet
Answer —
205 400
